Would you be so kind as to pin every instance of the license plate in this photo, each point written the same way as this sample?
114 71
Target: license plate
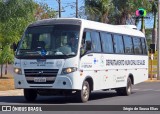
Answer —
40 79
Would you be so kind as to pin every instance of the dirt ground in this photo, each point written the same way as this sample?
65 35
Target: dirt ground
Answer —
6 83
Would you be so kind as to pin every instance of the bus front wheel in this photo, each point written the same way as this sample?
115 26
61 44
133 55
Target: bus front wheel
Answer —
83 95
30 95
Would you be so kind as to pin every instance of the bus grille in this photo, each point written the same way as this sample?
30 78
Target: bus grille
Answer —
49 74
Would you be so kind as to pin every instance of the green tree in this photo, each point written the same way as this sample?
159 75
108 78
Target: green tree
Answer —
154 12
14 17
98 10
43 11
149 36
147 6
6 56
125 9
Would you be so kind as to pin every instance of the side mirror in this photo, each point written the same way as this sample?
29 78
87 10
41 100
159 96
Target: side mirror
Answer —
86 48
14 46
88 45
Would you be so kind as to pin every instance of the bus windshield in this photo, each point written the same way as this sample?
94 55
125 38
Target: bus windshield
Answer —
58 41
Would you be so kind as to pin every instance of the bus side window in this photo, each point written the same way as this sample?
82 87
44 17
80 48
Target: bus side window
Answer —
144 48
118 43
137 46
96 41
107 42
86 42
128 44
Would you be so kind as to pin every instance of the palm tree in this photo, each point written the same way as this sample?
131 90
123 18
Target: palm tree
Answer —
98 10
147 6
125 9
154 11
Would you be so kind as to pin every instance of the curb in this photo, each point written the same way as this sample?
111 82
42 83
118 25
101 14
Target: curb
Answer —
153 80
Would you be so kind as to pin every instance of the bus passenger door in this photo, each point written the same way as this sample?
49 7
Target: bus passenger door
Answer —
90 57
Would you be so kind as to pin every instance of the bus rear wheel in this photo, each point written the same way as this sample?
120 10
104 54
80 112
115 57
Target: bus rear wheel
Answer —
30 95
125 90
83 95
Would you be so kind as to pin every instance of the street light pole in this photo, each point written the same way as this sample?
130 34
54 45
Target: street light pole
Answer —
158 42
76 8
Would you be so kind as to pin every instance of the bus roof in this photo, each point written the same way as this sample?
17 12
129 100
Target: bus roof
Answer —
119 29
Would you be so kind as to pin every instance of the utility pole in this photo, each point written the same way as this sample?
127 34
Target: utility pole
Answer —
158 40
76 8
143 25
59 11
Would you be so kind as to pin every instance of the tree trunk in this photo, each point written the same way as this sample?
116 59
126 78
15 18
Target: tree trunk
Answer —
154 35
123 18
1 70
104 18
6 68
143 25
136 21
154 31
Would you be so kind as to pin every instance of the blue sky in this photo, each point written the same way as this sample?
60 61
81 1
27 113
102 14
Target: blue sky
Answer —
70 12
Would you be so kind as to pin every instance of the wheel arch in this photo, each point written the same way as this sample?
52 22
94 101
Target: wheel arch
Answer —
89 79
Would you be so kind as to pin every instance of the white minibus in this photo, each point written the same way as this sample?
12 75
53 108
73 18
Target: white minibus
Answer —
75 56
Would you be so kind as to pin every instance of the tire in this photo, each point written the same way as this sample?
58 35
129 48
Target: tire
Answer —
126 91
30 95
83 95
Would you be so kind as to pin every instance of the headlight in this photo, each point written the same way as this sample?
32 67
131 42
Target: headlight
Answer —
18 70
68 70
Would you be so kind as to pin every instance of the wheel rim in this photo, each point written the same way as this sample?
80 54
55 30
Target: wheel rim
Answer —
129 87
85 91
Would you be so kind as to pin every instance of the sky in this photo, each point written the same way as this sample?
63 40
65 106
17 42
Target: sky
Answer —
70 12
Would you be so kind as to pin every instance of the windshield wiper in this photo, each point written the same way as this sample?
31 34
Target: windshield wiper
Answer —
55 51
30 53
